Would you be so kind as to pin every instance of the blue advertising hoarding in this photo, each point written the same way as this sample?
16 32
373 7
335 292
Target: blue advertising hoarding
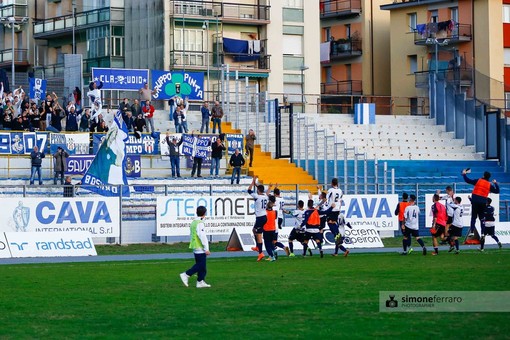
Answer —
168 84
121 79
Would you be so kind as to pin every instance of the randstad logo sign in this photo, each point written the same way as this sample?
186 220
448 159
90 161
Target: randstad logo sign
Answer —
99 216
76 243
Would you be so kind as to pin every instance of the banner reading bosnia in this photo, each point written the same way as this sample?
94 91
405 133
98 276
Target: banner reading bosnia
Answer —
167 84
107 170
120 78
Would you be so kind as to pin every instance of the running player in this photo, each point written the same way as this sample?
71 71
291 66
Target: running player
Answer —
260 214
438 223
311 221
298 232
411 218
455 230
488 228
339 239
322 206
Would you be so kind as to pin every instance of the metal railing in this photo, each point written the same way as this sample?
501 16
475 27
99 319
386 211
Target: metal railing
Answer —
351 87
20 55
459 33
345 48
223 10
330 8
83 19
385 105
462 77
181 58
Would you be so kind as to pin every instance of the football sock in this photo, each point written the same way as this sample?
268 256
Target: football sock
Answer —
291 247
404 244
409 242
319 245
420 242
456 244
342 248
305 246
259 245
280 245
482 242
495 238
436 250
336 249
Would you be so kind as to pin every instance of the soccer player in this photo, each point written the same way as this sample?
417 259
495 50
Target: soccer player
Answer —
449 202
200 245
488 228
311 220
339 239
334 197
279 203
411 217
438 223
399 210
261 200
269 230
479 196
455 230
298 232
323 207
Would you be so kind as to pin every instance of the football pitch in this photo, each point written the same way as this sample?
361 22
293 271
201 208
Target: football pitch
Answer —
290 298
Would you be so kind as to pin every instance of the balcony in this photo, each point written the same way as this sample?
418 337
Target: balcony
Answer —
459 77
20 57
350 87
14 8
197 60
63 25
345 49
339 8
227 12
455 33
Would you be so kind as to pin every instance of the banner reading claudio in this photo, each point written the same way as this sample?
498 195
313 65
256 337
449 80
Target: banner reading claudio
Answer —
107 170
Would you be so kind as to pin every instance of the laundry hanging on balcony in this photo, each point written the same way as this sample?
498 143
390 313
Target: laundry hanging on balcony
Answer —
242 50
432 28
325 52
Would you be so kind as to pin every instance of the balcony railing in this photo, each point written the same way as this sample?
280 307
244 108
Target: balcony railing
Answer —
198 59
339 8
20 56
82 20
455 33
345 48
16 8
223 10
351 87
462 77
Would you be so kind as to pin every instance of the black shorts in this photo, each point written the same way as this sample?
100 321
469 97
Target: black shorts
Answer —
411 232
455 231
296 235
275 237
333 216
449 220
260 221
488 231
314 236
440 230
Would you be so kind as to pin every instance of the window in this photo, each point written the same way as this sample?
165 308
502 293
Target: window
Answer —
507 101
292 3
412 62
97 42
507 56
506 14
189 39
348 30
293 15
292 44
433 16
329 74
327 33
412 21
454 14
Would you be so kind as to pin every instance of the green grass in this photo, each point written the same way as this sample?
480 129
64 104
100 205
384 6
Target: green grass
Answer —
291 298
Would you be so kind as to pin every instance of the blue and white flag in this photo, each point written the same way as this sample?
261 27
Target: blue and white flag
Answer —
37 89
108 169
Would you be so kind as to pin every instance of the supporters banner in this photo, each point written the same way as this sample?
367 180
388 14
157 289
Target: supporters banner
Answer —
466 204
98 215
195 146
175 213
234 141
73 143
133 166
77 243
368 210
37 89
107 170
79 164
121 78
146 145
22 143
168 84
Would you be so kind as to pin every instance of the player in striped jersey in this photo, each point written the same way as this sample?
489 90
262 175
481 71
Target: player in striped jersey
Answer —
456 224
411 216
298 232
339 239
261 200
334 197
279 203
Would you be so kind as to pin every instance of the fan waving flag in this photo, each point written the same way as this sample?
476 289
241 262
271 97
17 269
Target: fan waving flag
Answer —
107 170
